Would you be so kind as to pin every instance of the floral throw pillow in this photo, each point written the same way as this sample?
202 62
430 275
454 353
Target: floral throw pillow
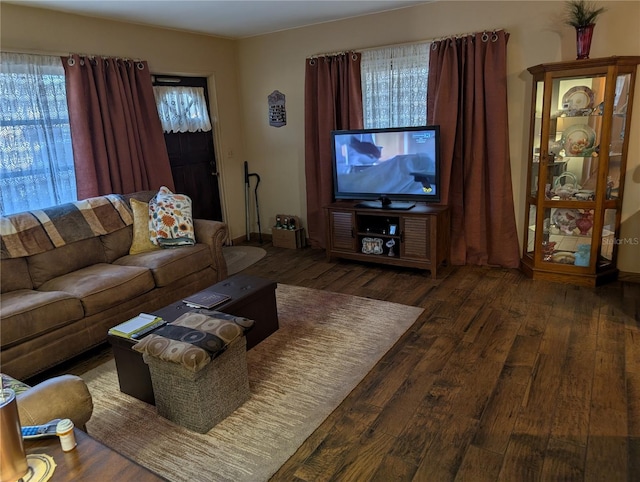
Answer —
170 221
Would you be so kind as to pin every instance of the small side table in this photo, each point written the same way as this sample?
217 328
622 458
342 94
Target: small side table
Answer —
90 460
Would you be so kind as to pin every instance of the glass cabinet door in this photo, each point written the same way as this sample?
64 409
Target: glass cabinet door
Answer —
569 236
608 237
534 169
577 107
618 125
536 136
531 232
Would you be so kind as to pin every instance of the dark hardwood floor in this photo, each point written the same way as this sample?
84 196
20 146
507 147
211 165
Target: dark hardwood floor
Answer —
501 378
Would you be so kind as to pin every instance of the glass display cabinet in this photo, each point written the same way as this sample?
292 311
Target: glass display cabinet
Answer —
580 120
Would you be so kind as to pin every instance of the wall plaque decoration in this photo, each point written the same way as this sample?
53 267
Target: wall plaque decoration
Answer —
277 111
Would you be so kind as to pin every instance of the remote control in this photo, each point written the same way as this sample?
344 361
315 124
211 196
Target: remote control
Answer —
40 431
142 333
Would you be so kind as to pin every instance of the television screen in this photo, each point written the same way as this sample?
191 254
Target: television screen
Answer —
394 164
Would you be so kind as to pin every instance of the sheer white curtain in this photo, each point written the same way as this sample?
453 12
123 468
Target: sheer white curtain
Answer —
36 157
394 86
182 109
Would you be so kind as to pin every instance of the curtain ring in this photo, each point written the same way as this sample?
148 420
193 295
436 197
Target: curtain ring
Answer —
140 66
354 56
434 46
494 36
485 36
71 61
312 62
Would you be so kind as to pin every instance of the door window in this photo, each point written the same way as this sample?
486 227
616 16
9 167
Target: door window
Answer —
182 109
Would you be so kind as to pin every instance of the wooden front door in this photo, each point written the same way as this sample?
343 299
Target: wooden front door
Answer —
193 159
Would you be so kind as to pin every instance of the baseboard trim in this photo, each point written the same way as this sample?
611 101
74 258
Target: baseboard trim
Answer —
266 238
629 277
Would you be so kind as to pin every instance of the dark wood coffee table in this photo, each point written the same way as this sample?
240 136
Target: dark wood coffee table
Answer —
251 297
90 460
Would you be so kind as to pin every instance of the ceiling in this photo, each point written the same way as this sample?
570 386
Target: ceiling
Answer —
233 19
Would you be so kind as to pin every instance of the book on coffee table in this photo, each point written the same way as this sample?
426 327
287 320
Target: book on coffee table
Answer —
206 299
133 328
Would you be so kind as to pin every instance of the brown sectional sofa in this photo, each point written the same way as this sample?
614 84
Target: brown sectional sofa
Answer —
61 302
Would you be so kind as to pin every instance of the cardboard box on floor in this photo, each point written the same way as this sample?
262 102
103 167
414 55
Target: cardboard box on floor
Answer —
284 237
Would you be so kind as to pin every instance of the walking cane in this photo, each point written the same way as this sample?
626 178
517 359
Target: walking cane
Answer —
247 187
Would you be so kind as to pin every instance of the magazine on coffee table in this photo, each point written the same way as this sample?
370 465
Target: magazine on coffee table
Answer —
206 299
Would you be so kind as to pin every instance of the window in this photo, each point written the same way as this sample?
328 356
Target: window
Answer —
182 109
36 157
394 86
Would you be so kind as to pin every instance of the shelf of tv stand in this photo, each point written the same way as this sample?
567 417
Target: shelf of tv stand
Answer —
421 237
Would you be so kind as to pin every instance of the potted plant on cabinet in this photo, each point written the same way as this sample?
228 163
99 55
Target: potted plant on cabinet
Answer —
582 15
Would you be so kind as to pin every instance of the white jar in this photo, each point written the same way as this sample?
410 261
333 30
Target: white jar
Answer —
64 429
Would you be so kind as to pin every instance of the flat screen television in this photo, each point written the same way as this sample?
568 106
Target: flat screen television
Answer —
389 168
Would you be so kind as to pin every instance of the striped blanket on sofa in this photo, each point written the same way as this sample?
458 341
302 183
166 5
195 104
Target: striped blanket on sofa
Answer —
37 231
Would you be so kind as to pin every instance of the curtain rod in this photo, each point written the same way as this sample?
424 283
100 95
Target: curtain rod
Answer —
468 34
98 56
401 44
33 52
329 54
62 54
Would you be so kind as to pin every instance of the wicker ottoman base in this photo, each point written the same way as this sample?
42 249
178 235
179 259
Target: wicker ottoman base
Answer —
200 400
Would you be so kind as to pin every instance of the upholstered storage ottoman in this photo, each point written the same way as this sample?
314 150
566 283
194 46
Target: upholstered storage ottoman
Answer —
198 367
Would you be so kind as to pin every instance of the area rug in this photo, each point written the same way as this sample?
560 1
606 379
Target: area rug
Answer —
241 257
326 344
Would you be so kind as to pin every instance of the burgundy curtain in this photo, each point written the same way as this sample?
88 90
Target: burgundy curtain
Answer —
333 100
467 97
117 139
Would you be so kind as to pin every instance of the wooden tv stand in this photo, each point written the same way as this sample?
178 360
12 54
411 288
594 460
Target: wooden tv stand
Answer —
420 239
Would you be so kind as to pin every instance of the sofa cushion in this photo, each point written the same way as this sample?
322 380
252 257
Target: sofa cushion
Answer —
170 265
102 286
14 275
116 244
27 314
141 242
65 259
